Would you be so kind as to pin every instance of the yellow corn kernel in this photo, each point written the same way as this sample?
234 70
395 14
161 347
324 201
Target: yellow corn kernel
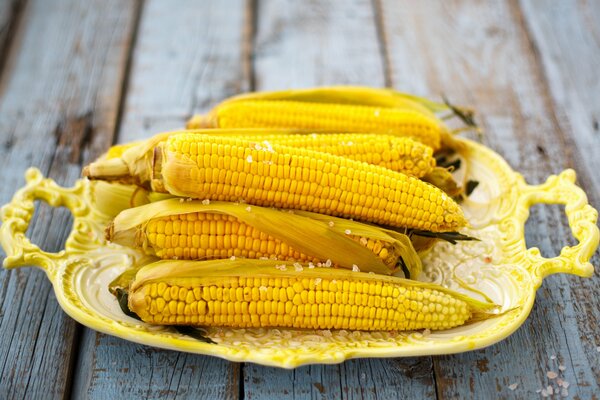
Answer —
307 180
341 300
332 117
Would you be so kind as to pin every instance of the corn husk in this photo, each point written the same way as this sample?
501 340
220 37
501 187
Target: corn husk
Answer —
309 233
201 273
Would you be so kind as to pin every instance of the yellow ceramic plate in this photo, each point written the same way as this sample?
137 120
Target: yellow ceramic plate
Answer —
500 266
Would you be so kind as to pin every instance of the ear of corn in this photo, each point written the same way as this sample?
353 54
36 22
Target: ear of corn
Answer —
326 117
341 109
259 293
171 229
400 154
232 169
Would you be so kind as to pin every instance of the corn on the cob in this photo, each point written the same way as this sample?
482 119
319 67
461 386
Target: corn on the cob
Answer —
257 293
326 117
400 154
197 230
338 109
233 169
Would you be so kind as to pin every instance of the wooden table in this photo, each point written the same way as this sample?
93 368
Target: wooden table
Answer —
77 76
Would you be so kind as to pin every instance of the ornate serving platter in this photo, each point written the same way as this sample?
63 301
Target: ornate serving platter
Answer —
499 267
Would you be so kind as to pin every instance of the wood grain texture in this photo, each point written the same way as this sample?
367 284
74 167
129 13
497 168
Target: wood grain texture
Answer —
303 44
186 58
111 368
10 13
313 43
480 54
567 39
59 97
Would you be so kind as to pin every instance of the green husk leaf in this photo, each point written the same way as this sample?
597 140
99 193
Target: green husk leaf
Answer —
122 298
452 237
465 115
196 333
470 186
310 236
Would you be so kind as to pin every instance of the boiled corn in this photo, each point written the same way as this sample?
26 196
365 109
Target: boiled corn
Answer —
260 294
233 169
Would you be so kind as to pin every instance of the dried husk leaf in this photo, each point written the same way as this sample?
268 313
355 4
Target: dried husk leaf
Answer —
199 273
306 232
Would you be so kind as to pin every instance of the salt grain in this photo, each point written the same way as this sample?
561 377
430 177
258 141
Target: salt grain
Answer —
232 258
538 391
544 393
347 231
181 200
553 357
355 268
330 223
311 265
298 267
317 281
550 390
551 375
249 159
562 367
564 392
328 263
598 349
206 202
248 208
513 386
566 384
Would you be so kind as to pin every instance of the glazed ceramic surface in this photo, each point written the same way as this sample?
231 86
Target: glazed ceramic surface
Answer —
499 267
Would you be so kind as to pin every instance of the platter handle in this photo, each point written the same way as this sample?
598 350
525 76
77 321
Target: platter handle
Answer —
17 215
582 218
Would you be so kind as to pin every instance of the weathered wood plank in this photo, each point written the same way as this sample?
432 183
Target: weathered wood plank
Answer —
186 58
326 43
109 367
353 379
302 44
479 53
568 42
10 12
565 34
59 98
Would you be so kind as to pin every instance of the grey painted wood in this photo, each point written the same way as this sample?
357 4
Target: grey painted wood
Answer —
10 13
567 39
59 98
303 44
110 368
185 59
353 379
480 54
314 43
